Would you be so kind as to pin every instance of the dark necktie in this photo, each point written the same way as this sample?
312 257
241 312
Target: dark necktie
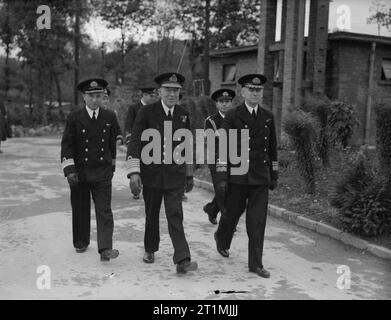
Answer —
169 115
93 116
254 115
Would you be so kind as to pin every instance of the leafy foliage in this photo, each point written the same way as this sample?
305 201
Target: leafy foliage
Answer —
363 200
342 121
320 108
300 126
383 138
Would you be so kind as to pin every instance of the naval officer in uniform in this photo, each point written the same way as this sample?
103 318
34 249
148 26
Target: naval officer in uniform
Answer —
106 105
223 99
148 96
88 154
249 191
163 179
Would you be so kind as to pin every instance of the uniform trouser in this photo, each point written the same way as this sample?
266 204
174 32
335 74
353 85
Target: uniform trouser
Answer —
217 203
81 214
256 212
174 213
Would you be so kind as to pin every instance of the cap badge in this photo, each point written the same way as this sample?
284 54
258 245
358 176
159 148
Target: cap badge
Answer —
173 78
225 94
93 84
256 81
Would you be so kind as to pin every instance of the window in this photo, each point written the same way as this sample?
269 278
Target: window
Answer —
229 72
386 70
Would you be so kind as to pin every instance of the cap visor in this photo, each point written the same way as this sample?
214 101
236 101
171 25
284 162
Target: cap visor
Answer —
171 85
255 86
94 91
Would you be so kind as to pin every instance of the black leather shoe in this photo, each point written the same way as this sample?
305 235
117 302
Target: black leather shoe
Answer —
81 249
261 271
108 254
149 257
211 218
223 252
185 266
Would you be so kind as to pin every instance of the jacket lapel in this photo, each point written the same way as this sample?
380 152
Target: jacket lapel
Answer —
246 117
84 118
160 115
99 121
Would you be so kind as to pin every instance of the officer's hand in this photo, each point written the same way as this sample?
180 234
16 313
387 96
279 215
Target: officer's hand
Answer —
189 184
222 187
135 183
273 184
73 179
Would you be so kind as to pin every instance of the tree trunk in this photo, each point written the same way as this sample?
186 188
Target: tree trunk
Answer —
41 97
7 54
58 89
77 52
206 48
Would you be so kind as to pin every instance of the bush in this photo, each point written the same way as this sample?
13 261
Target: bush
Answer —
363 201
383 138
300 126
342 121
319 107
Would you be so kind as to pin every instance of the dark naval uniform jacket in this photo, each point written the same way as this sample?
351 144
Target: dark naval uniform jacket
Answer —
214 122
158 175
262 141
130 119
89 148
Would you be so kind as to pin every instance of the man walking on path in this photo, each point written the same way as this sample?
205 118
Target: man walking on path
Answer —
163 179
88 154
148 97
223 99
249 191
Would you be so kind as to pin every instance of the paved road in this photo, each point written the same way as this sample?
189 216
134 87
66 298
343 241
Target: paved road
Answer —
35 238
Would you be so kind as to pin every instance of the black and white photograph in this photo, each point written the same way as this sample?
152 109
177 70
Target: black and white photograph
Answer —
195 155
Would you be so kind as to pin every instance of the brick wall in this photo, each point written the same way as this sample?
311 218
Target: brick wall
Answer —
246 62
349 80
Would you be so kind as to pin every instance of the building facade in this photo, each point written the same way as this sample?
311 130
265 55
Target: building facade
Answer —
356 68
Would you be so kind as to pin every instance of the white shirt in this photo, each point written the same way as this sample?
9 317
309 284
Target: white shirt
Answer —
91 112
221 114
251 109
142 102
166 109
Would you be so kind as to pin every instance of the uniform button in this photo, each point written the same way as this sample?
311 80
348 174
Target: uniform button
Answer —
265 138
83 130
164 145
86 159
264 150
101 158
104 131
265 126
248 160
249 149
102 149
164 153
103 140
87 140
264 161
86 149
